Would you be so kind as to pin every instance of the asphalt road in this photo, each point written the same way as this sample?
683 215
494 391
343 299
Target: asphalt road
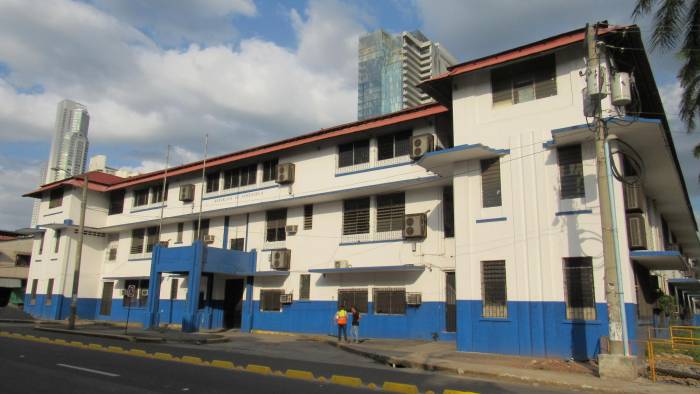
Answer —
36 364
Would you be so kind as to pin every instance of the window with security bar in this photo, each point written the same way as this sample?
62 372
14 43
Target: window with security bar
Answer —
137 240
494 290
308 216
276 220
491 182
353 297
394 145
579 288
571 172
270 300
389 301
356 216
391 209
524 81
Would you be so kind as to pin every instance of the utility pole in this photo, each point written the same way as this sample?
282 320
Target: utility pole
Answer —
615 363
78 256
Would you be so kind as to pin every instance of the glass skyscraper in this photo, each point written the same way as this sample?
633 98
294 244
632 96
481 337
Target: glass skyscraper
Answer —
70 142
390 67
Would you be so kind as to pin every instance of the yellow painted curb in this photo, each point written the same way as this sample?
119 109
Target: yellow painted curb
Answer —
96 346
261 369
44 339
163 356
77 344
372 386
394 387
222 364
448 391
346 380
297 374
115 349
265 332
193 360
138 352
60 341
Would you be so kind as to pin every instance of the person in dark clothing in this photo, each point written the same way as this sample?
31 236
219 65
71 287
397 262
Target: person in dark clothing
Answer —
355 327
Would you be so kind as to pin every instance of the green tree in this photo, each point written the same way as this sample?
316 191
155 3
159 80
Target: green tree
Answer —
673 20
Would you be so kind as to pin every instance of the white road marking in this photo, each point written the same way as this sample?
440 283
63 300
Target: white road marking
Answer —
113 375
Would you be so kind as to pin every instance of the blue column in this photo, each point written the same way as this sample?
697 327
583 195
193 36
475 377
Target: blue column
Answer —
189 320
248 305
151 317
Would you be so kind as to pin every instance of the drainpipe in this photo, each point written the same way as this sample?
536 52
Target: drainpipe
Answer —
618 259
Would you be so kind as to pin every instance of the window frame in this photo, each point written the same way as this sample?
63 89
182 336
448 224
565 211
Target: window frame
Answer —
356 150
237 244
180 232
494 307
491 187
152 237
305 287
362 223
141 196
571 176
398 142
138 239
582 314
395 294
57 240
56 198
49 292
212 180
264 307
32 294
275 225
308 216
158 194
270 170
448 213
361 304
116 202
539 74
390 212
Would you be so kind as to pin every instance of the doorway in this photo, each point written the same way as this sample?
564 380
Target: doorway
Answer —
233 303
106 302
450 303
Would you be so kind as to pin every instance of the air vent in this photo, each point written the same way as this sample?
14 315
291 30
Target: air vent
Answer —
636 231
413 299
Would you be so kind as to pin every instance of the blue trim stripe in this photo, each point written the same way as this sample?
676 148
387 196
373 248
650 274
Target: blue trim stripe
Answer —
373 168
240 192
655 253
499 219
579 212
350 243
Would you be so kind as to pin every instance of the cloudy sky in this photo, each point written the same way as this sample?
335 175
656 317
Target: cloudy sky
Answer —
246 72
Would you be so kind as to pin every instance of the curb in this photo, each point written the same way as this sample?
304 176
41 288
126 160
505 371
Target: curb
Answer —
388 360
100 334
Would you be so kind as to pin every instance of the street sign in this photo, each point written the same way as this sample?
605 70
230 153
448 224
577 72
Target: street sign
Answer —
131 291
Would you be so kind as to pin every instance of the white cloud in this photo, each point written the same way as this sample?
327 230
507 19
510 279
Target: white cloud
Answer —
19 176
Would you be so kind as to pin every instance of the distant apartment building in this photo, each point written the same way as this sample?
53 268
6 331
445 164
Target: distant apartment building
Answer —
475 219
70 143
391 67
15 255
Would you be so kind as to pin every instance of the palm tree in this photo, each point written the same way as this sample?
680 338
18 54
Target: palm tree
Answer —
673 19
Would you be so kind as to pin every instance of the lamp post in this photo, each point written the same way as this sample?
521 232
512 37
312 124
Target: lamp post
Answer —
78 252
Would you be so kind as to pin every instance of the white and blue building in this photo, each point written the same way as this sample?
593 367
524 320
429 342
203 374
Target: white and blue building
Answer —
511 257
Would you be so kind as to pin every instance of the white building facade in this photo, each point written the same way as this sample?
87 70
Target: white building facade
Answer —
509 259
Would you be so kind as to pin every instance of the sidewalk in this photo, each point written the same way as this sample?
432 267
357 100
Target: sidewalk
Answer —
442 356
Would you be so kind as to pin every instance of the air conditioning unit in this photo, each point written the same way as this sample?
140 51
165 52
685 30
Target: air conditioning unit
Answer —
415 225
421 144
285 173
291 229
187 193
634 198
413 299
636 231
286 298
280 258
144 292
208 239
342 264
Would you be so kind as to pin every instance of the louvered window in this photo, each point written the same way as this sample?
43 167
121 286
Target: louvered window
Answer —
524 81
353 297
394 145
212 182
491 182
308 216
448 212
237 243
270 300
116 202
270 170
389 301
353 153
276 221
390 212
140 197
493 285
304 286
137 238
579 287
55 198
151 238
571 172
356 216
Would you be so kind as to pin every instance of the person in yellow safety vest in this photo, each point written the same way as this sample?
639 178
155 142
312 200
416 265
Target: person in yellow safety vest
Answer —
341 319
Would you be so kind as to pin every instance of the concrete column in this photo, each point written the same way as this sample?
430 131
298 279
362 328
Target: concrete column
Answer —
189 320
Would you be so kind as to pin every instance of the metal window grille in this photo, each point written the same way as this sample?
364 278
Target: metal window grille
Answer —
213 182
270 300
448 212
491 182
389 301
49 292
524 81
237 243
571 172
391 209
354 297
356 216
151 238
32 299
579 286
393 145
55 198
276 220
308 216
116 202
304 286
137 240
270 170
140 197
493 285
